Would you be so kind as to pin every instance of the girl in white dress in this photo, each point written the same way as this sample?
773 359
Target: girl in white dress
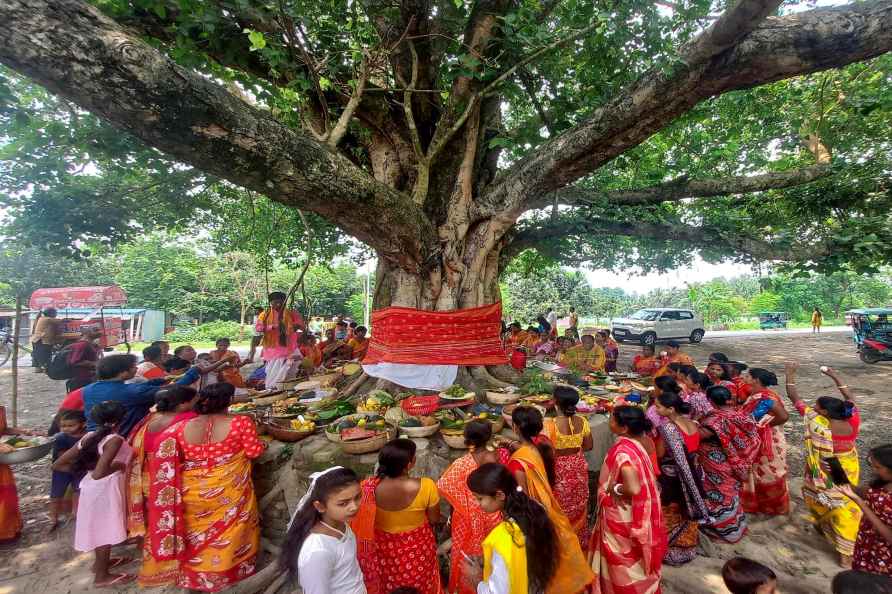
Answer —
320 548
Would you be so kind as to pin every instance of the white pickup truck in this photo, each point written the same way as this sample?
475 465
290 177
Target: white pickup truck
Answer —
658 323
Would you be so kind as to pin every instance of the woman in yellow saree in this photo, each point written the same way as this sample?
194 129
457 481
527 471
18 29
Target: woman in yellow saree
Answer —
202 498
831 428
532 465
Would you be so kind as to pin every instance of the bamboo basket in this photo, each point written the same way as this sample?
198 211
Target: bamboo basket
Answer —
281 433
365 446
270 399
506 412
419 431
455 440
497 424
502 398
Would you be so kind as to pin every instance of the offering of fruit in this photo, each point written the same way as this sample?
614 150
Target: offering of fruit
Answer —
19 442
377 402
302 424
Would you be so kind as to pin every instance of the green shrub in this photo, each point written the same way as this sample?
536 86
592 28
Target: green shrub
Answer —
207 332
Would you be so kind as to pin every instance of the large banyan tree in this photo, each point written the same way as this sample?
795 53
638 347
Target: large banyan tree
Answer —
452 135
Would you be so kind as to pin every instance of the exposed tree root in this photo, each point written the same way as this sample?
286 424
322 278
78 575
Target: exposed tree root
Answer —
505 373
480 373
355 385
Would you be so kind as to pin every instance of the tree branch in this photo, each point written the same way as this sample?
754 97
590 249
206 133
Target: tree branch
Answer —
731 27
682 188
491 86
780 48
551 231
340 127
75 51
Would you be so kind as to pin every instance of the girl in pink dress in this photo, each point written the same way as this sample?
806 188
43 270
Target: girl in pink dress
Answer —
101 513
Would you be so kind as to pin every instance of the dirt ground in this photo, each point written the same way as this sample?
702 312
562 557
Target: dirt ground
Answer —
46 562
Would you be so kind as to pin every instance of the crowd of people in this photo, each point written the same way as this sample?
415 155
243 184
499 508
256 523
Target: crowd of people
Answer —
151 453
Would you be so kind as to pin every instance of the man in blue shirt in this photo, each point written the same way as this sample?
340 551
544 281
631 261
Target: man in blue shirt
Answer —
112 373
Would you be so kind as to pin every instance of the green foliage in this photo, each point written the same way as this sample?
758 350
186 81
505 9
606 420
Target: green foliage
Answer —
715 302
723 303
765 301
158 272
208 332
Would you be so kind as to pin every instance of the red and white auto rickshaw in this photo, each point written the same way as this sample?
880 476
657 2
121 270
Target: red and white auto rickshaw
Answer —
95 300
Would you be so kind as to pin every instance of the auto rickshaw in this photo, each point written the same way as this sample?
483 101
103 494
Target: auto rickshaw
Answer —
872 333
97 300
772 320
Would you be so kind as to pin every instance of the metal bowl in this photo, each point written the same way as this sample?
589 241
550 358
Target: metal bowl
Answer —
29 454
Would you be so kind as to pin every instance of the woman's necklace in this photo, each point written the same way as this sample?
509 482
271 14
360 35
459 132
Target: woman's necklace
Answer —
341 532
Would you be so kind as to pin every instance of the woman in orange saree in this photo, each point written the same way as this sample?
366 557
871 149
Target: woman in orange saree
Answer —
532 465
174 404
766 491
229 373
470 524
205 516
629 541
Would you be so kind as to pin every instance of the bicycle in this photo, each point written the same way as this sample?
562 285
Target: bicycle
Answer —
6 344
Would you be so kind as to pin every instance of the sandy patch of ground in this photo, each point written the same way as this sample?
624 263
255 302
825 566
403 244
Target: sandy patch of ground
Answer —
44 562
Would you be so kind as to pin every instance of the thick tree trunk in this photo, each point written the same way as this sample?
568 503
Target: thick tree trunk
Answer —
445 286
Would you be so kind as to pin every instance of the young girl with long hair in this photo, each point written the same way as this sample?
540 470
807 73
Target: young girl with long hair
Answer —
532 465
469 523
520 553
873 546
320 547
571 436
628 542
395 541
101 516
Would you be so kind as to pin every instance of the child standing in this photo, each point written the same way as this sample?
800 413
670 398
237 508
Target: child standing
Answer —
320 546
72 424
520 554
101 519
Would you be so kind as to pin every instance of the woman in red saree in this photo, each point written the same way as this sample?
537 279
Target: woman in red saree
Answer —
766 491
628 542
571 436
470 524
395 541
532 465
174 404
729 443
203 495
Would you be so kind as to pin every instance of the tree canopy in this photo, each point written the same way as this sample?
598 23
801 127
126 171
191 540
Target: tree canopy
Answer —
451 136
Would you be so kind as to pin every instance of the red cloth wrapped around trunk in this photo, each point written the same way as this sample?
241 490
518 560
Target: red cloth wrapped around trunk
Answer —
460 337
